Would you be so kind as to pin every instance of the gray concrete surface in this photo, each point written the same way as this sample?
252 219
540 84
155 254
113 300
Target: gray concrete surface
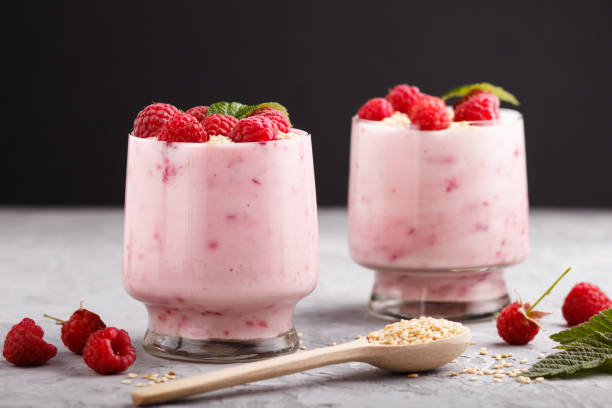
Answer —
50 259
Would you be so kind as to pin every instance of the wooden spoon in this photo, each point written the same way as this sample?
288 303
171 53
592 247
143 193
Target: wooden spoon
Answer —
401 359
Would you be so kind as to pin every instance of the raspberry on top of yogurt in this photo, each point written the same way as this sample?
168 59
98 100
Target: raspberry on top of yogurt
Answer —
219 123
407 105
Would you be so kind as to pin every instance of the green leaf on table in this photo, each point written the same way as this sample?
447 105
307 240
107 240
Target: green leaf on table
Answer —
601 322
586 346
498 91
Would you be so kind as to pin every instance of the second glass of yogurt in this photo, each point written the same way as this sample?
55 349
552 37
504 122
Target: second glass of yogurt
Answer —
220 243
438 214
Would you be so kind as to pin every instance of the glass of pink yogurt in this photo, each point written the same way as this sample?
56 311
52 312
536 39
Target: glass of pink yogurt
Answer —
438 214
220 243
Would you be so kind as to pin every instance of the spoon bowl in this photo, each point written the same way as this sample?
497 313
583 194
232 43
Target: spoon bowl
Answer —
418 357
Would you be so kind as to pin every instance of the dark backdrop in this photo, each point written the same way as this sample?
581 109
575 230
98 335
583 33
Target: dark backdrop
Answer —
81 71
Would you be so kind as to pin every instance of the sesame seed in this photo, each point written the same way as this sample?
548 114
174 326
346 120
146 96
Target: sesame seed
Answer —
151 382
358 336
141 384
524 361
541 356
524 370
539 379
302 347
499 376
497 380
127 382
473 343
416 331
509 354
473 379
132 375
171 372
453 374
300 334
333 343
413 375
487 372
483 352
508 365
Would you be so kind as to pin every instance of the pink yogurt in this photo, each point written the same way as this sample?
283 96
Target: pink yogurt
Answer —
220 240
439 200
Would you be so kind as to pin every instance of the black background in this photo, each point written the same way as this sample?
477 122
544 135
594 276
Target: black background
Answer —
81 71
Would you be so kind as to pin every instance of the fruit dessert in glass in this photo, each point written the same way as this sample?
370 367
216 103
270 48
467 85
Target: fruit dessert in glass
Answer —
438 204
220 235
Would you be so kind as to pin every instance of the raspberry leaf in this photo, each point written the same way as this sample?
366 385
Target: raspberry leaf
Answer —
586 346
498 91
599 323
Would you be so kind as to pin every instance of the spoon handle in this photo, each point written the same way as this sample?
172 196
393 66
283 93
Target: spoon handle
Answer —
246 373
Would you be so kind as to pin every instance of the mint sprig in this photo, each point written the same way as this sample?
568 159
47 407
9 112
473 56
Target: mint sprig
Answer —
241 111
586 346
498 91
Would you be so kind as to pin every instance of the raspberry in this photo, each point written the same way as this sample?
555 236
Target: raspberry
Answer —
183 127
254 129
429 113
375 109
198 112
402 97
76 330
151 119
584 301
109 351
518 323
220 125
514 327
275 116
477 105
24 345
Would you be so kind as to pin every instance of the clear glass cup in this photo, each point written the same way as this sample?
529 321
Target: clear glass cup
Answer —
220 243
438 215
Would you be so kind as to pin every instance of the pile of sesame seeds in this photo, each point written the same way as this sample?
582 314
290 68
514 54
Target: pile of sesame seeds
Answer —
152 379
499 369
416 331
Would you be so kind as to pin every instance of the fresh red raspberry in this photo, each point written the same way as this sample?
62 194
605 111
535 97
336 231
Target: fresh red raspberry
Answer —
477 105
109 351
375 109
24 345
151 119
402 97
254 129
429 113
76 330
275 116
584 301
183 127
513 325
198 112
220 125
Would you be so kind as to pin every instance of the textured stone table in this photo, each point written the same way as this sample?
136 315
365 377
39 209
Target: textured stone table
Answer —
52 259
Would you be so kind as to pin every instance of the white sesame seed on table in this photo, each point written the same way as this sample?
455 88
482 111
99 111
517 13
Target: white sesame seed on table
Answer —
50 259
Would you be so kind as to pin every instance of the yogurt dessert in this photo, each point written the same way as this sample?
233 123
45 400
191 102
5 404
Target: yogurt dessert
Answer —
438 203
220 235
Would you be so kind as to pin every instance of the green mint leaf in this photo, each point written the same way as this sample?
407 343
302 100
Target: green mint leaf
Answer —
498 91
599 323
240 111
246 110
586 346
226 108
